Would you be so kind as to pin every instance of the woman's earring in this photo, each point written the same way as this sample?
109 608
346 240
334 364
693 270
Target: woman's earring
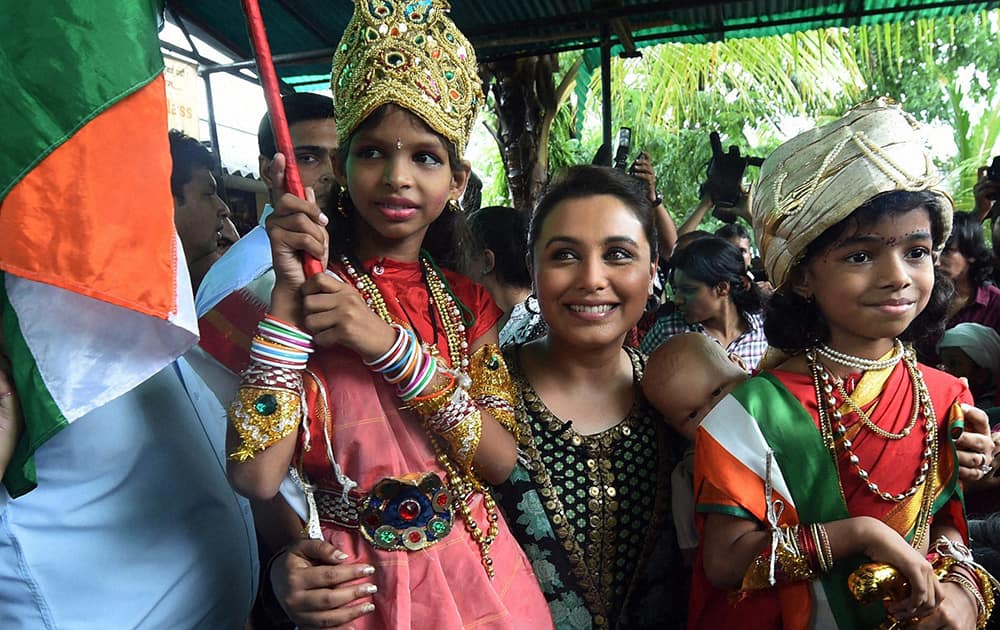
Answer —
341 210
454 206
532 300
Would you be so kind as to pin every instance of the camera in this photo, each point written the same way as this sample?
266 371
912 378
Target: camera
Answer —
724 180
623 148
993 170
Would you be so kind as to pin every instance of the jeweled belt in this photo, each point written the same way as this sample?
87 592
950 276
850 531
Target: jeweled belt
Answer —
406 513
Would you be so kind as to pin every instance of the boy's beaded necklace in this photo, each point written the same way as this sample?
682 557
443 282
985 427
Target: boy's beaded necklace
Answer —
458 354
830 419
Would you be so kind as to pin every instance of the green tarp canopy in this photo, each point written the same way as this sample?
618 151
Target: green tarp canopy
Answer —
311 29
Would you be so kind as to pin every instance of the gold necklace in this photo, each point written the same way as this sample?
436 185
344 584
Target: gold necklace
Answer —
919 401
827 406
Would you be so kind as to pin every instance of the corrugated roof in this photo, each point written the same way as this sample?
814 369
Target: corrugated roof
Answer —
501 28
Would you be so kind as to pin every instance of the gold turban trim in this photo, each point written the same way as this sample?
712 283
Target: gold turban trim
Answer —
818 178
410 53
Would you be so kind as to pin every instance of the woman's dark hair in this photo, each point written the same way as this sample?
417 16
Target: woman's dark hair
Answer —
589 181
448 237
793 323
713 260
967 237
504 231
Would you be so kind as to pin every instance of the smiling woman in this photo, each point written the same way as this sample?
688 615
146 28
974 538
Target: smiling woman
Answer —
590 499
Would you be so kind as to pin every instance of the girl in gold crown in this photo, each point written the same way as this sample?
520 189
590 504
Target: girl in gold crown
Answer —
395 408
842 454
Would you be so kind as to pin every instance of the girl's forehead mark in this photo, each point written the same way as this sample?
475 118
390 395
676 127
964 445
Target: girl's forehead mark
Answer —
885 240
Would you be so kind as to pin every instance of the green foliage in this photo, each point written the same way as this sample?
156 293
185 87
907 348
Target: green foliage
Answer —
944 72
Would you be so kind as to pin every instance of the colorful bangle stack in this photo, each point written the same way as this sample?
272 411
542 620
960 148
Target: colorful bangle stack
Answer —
281 345
406 365
269 404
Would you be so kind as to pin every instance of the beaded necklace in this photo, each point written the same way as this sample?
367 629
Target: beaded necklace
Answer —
831 421
862 363
458 355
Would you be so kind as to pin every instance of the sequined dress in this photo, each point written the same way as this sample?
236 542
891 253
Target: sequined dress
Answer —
592 513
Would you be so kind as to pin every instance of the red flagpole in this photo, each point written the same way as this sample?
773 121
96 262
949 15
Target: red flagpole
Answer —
279 124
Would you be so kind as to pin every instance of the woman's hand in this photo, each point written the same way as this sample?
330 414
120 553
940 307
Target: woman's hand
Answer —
335 313
975 445
884 544
986 193
295 227
310 582
643 169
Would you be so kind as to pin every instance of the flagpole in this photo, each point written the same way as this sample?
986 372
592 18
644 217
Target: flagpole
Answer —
276 109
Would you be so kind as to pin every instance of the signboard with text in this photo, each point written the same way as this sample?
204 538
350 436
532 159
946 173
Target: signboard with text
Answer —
182 95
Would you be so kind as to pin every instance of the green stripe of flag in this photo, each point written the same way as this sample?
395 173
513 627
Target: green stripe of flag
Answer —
813 480
47 420
63 62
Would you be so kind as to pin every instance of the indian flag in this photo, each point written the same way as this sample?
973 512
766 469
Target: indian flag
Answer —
94 293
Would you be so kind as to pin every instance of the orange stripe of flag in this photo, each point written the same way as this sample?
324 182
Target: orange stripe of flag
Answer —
96 215
735 480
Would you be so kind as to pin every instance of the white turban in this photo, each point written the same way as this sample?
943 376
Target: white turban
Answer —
818 178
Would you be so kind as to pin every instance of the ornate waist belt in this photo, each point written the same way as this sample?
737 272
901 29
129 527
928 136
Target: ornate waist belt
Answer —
406 513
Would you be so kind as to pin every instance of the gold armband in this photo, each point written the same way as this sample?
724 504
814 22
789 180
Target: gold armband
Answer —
268 408
463 439
492 387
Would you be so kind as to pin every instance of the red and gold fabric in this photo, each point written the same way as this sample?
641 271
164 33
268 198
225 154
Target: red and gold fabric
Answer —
777 410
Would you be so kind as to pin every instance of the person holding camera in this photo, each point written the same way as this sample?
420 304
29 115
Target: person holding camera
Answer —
987 191
643 169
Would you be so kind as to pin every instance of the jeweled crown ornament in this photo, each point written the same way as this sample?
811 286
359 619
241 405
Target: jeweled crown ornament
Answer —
410 53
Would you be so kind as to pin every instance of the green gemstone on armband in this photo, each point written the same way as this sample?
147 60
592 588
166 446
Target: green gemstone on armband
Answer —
266 404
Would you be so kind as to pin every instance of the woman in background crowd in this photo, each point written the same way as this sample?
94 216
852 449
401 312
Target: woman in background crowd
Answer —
500 265
714 296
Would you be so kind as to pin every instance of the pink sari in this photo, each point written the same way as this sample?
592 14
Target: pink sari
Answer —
356 417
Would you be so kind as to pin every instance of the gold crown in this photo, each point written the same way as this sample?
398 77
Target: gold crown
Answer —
410 53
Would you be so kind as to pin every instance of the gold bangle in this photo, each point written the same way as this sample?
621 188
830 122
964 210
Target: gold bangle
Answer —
965 583
988 583
427 406
791 564
463 439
